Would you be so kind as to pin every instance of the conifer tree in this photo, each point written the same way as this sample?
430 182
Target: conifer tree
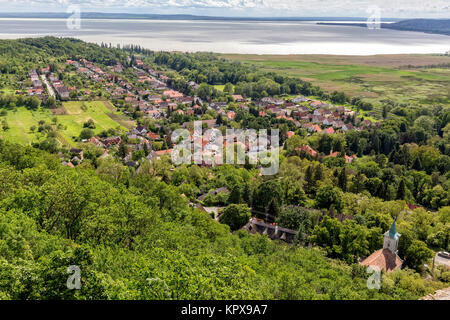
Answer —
401 191
342 180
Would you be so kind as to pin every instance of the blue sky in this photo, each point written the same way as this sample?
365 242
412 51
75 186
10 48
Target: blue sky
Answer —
265 8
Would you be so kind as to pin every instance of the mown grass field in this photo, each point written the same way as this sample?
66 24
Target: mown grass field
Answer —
20 121
75 116
72 115
375 78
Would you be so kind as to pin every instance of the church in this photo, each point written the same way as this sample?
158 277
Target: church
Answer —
387 258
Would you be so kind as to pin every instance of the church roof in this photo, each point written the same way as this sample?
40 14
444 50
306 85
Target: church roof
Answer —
383 259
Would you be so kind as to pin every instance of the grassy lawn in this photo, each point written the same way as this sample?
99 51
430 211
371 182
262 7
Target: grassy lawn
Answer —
20 121
76 116
72 117
374 77
219 87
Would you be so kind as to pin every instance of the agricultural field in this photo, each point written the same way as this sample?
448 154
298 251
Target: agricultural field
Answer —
399 78
70 118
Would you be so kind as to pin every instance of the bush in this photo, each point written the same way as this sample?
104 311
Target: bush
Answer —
235 215
328 196
86 134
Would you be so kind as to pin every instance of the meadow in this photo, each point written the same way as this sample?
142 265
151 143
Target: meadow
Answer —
399 78
71 116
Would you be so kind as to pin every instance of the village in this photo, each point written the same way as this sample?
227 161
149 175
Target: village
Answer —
147 91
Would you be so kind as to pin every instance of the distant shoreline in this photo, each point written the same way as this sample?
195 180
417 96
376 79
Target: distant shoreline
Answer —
100 15
432 26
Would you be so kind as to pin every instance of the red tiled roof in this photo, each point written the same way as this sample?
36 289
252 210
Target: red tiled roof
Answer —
237 97
307 149
317 128
383 259
153 136
329 130
163 152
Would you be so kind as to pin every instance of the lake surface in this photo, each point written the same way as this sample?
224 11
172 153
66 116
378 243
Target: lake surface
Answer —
251 37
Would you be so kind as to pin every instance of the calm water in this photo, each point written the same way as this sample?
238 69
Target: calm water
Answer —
234 36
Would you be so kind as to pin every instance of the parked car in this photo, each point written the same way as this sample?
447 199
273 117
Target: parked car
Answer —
444 254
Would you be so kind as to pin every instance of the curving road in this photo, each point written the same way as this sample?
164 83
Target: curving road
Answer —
441 260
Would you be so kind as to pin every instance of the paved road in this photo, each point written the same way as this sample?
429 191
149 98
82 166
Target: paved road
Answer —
49 87
441 260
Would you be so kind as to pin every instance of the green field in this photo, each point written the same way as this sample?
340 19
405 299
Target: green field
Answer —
375 78
71 116
20 121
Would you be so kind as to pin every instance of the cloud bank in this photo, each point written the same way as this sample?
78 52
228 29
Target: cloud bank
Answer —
287 8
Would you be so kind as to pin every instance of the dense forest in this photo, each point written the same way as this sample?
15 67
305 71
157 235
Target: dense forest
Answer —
135 237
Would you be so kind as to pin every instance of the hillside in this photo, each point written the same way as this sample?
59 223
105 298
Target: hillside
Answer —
87 179
438 26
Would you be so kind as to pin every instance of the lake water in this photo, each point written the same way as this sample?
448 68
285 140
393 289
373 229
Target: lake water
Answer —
252 37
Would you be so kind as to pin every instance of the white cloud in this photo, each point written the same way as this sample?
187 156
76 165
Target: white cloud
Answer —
389 8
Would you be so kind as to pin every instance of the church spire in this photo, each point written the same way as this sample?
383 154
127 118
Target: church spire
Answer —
391 238
393 230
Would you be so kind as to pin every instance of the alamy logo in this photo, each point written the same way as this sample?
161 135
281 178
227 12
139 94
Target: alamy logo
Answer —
74 20
374 20
237 147
374 281
74 280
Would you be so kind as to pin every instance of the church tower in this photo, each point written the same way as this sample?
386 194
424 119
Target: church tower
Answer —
391 239
387 258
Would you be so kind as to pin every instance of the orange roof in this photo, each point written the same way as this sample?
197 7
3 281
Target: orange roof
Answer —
383 259
329 130
163 152
231 115
172 94
333 154
317 128
307 149
153 136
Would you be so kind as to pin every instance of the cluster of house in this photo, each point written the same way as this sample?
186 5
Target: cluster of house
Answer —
76 157
57 84
273 231
88 68
313 115
315 154
138 138
158 100
154 101
37 87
